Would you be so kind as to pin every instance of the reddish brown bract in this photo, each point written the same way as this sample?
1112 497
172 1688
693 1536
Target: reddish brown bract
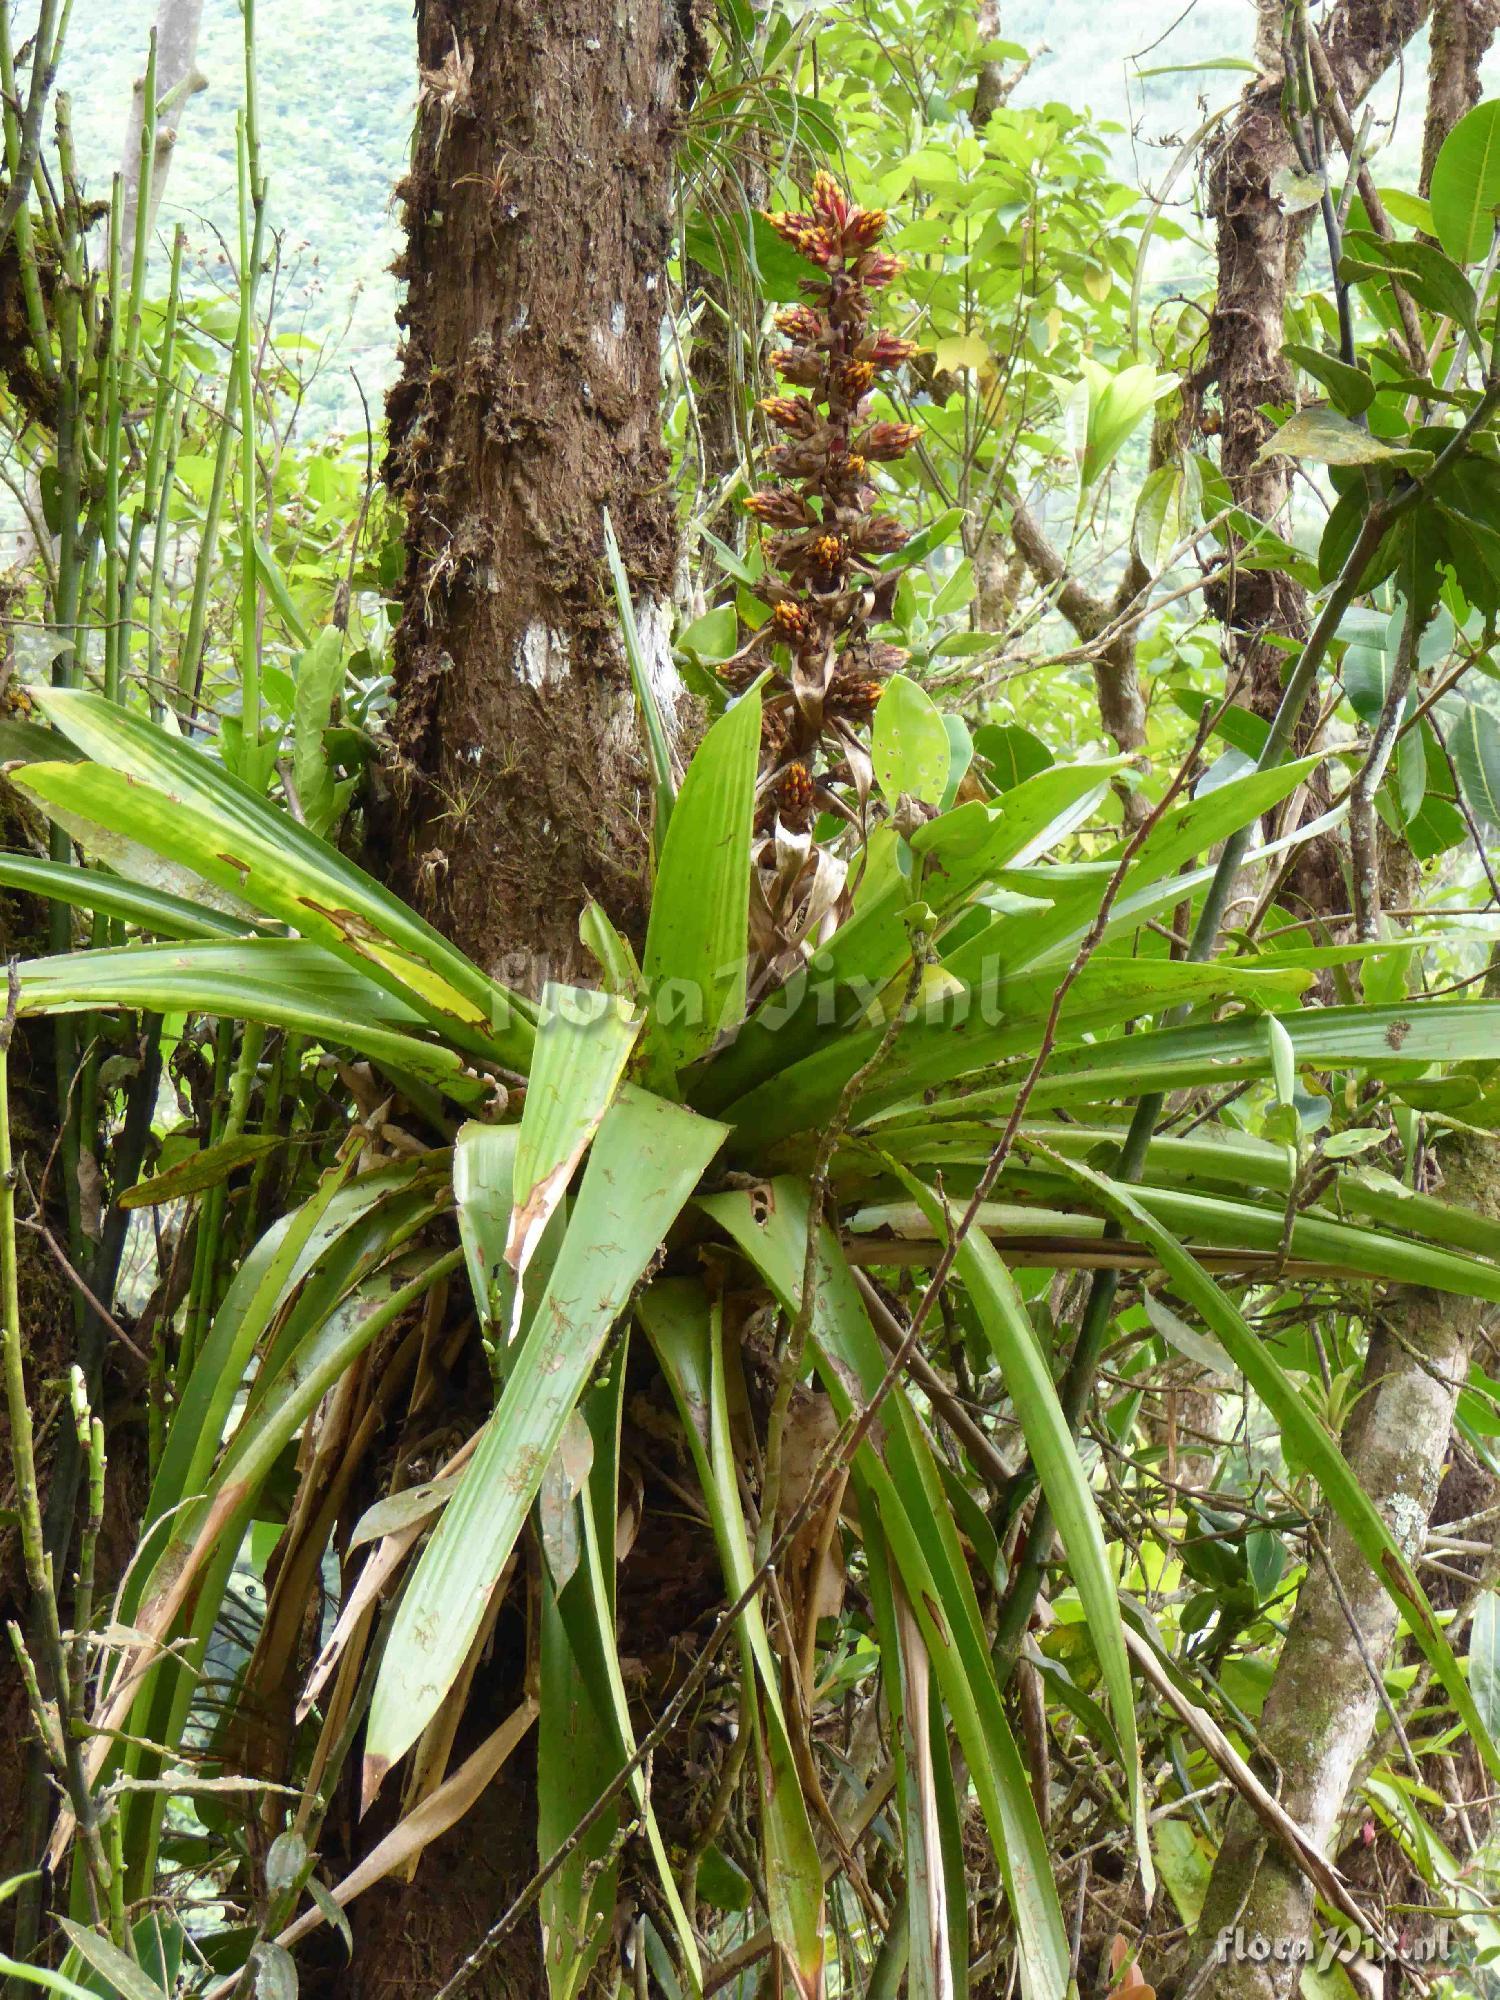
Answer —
825 581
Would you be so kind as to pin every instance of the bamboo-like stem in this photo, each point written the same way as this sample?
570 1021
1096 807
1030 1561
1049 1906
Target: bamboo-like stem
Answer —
250 697
36 1561
46 48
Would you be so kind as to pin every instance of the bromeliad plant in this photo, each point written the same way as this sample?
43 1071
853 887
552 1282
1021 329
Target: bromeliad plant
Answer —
718 1203
677 1224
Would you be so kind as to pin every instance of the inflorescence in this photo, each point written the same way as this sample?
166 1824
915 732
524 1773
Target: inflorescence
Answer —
825 584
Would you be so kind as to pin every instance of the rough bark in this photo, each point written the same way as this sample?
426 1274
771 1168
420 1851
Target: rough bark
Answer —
1259 251
1459 40
178 78
1323 1703
538 211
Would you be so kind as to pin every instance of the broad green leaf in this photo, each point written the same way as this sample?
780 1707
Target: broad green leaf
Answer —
106 1958
270 574
1474 744
1012 754
695 963
1185 1868
1199 1348
714 636
1465 191
925 540
646 1157
319 675
1297 191
1327 438
1158 503
960 757
958 590
1351 388
909 744
283 982
1309 1440
176 801
1432 279
1116 405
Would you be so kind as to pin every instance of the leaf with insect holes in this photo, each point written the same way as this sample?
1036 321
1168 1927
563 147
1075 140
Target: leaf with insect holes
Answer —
1326 438
910 745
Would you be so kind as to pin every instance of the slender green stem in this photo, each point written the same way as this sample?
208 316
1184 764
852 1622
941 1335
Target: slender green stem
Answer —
250 696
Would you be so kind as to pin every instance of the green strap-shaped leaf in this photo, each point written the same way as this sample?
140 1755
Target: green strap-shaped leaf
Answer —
695 943
962 849
583 1042
1372 1041
688 1339
181 804
1055 1456
284 982
918 1524
584 1729
1309 1441
112 896
643 1165
1108 994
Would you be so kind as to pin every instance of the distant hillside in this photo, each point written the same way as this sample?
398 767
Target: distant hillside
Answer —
337 92
338 88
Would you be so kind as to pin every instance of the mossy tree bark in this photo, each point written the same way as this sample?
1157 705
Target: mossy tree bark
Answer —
538 210
1459 41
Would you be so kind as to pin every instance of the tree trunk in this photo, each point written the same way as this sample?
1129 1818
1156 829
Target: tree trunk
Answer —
1323 1704
1462 31
1259 251
177 79
538 211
